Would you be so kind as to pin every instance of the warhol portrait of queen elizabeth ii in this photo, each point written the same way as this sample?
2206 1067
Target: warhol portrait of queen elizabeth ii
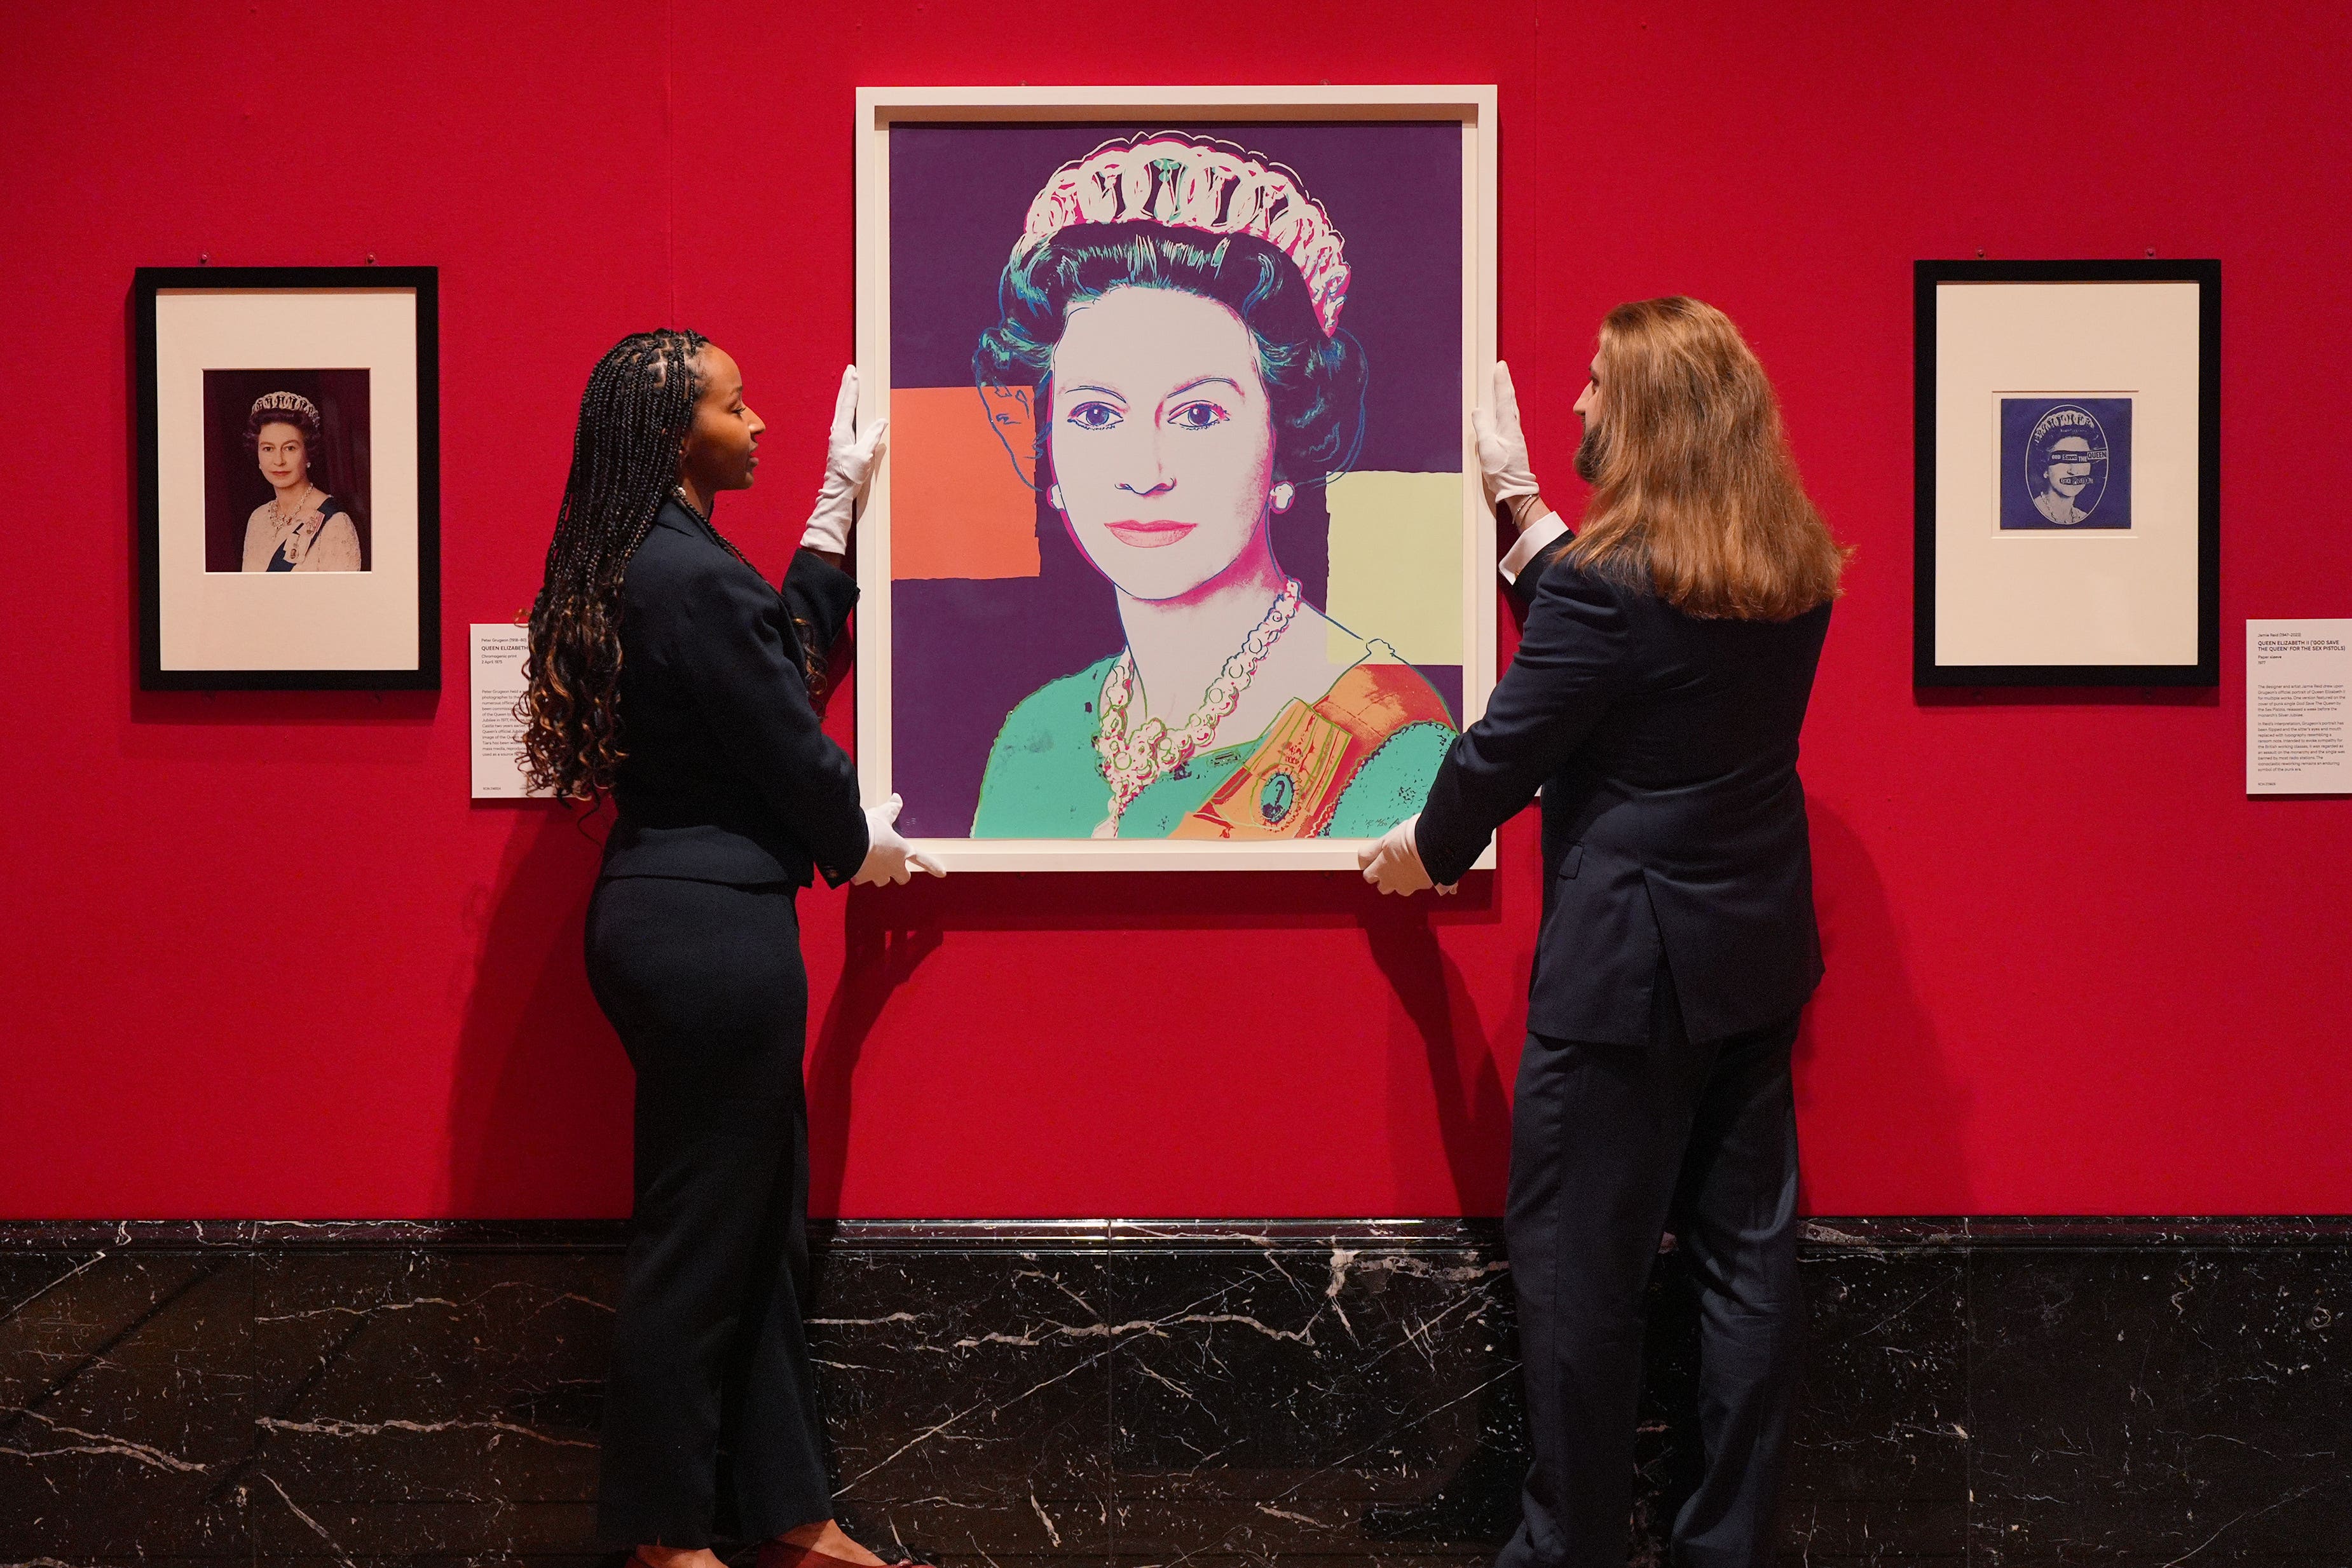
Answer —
1176 510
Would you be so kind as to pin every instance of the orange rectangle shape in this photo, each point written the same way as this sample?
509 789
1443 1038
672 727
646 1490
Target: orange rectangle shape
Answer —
958 506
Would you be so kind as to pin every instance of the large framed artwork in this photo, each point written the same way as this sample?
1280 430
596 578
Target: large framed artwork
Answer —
2068 502
1177 558
288 477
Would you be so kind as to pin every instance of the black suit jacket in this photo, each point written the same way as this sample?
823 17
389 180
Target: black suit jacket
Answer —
728 776
1673 823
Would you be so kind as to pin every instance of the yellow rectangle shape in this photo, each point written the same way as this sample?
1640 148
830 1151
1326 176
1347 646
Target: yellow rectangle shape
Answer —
1396 563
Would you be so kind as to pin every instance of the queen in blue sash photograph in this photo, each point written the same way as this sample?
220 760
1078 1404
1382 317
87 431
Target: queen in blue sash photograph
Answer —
287 471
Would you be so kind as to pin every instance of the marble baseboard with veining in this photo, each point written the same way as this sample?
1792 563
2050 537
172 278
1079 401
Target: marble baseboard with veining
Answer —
2008 1394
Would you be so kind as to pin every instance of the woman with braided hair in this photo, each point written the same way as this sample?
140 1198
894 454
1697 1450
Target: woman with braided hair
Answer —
668 674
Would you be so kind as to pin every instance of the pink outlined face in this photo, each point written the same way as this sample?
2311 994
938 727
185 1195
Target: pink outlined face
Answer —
1161 441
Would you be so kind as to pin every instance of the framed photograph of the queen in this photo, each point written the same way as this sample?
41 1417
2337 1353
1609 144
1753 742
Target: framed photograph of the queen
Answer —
288 477
1176 559
2068 505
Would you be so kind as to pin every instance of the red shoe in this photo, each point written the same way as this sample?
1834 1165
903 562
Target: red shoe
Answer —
784 1554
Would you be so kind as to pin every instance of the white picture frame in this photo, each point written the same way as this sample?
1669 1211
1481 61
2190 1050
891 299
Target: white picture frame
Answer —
882 109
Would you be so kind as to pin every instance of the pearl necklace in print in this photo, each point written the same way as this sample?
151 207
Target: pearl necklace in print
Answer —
1132 761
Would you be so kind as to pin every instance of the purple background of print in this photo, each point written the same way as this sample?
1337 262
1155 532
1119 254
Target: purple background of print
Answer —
965 651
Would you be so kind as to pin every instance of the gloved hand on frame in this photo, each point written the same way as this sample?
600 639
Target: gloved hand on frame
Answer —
890 859
1502 447
849 460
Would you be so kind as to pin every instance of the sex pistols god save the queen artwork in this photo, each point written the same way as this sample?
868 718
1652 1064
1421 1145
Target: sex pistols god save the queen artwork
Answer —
1176 513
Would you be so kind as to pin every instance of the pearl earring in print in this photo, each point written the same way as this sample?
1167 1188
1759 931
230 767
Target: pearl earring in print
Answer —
1281 495
1054 494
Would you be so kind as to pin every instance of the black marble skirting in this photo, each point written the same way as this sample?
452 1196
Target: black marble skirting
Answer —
2004 1393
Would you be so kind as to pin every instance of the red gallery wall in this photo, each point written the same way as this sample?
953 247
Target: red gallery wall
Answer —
264 957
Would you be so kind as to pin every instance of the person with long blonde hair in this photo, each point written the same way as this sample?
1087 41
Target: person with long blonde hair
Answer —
1655 700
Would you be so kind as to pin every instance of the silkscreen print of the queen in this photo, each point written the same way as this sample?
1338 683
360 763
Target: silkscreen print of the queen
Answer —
1176 523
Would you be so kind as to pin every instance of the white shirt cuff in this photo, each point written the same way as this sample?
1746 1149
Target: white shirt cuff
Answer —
1532 539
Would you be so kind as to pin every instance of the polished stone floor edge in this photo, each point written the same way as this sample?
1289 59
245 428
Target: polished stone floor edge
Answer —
1827 1232
1993 1392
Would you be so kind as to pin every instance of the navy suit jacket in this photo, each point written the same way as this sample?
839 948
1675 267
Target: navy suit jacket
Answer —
1674 822
728 775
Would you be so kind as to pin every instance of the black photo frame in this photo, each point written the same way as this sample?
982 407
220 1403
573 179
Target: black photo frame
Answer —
2009 517
195 488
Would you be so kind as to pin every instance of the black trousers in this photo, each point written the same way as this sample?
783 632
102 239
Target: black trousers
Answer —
1611 1146
711 1425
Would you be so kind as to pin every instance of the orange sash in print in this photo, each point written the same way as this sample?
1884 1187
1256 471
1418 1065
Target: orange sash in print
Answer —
1292 781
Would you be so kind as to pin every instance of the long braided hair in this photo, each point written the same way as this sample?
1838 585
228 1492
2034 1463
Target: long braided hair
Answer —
633 420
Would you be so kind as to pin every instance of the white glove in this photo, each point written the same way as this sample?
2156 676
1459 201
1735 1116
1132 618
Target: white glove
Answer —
1393 864
889 857
1502 449
849 463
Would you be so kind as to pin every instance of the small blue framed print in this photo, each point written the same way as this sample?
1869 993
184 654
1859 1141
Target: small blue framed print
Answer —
2038 387
2066 464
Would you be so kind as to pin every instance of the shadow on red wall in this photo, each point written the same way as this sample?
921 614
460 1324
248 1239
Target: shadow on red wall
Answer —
1445 1041
540 1112
1438 1056
879 955
1868 1055
539 1108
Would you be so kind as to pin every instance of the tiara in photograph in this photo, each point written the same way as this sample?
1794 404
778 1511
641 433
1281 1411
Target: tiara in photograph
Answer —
286 402
1194 183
